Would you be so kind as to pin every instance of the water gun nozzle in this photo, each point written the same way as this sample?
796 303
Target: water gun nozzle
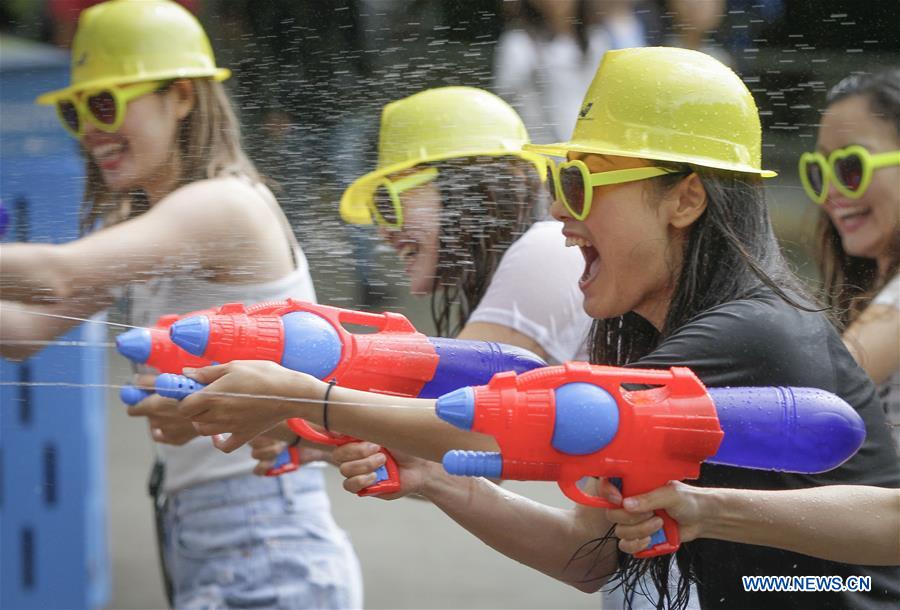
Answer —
135 344
457 407
191 334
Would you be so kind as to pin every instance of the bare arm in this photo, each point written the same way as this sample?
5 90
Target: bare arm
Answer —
248 398
187 227
485 331
846 523
815 521
22 333
542 537
874 340
555 541
407 424
561 543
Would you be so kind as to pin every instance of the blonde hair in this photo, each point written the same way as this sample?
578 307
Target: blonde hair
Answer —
208 143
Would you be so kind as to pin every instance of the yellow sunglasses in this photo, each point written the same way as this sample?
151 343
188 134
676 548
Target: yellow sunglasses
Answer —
850 168
385 203
103 108
573 184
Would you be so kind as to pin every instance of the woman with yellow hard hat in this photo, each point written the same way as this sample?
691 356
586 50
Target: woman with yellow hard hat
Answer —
661 192
853 175
464 207
176 219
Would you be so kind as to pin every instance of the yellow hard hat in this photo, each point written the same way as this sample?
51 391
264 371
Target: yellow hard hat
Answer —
127 41
437 124
667 104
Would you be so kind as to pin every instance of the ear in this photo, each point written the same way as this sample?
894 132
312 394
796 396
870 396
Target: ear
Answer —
688 202
184 96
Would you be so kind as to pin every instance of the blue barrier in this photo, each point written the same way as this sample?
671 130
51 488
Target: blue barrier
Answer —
53 549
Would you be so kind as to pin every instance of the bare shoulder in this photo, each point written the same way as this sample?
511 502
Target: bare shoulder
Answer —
222 208
200 217
225 194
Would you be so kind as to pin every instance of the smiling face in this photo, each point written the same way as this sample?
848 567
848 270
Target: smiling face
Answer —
632 242
139 154
417 241
868 226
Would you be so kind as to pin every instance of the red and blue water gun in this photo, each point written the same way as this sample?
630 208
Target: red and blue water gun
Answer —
153 347
563 423
395 359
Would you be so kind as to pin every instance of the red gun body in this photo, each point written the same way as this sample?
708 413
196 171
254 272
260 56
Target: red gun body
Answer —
659 434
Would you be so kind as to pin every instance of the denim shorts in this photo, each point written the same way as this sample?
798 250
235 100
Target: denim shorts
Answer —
259 542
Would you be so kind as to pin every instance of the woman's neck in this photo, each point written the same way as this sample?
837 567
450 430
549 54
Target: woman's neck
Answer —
166 181
883 267
655 312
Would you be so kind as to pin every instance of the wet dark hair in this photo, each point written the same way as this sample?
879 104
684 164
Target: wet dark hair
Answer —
731 252
486 204
850 282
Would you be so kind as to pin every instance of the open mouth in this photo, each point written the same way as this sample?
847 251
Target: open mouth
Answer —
108 155
591 260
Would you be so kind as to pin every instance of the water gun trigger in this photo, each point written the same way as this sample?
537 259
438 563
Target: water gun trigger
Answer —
570 488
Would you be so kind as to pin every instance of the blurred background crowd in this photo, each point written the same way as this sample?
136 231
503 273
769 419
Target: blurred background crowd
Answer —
311 79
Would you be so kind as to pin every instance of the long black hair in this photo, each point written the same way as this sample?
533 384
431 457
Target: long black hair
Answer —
487 203
850 282
731 252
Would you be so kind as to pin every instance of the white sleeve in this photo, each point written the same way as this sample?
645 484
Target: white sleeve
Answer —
890 294
514 60
535 292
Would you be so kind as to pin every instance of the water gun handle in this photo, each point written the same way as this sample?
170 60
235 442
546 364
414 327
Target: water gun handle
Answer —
387 476
287 461
664 541
179 386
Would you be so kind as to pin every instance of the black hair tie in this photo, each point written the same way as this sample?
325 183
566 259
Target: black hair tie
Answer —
331 384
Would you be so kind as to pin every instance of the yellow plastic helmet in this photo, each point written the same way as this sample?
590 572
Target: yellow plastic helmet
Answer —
668 104
437 124
128 41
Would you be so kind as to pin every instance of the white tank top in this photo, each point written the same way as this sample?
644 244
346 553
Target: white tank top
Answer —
188 290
